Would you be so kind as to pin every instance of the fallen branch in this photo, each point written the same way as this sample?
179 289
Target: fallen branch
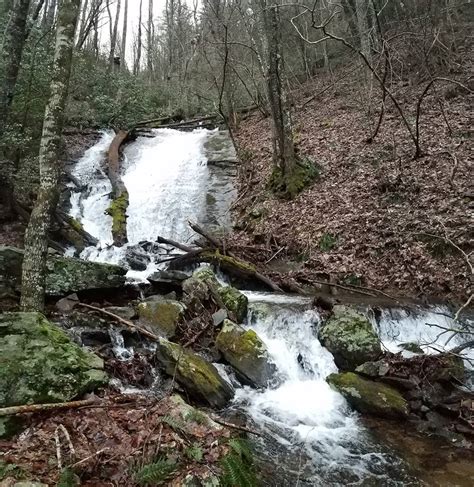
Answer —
38 408
218 420
123 321
173 243
460 348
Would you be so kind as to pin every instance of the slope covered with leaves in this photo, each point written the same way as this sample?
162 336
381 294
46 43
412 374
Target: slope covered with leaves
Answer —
375 216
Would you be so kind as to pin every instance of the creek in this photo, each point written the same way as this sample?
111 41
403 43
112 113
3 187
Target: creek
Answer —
310 436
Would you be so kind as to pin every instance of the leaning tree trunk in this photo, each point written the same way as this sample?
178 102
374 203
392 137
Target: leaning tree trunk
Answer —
36 237
284 155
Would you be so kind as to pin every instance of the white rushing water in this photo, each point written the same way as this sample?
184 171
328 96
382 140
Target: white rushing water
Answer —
164 176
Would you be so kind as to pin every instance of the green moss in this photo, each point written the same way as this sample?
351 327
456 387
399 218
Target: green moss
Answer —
234 301
198 377
369 397
76 224
163 316
288 186
226 261
205 274
327 242
118 211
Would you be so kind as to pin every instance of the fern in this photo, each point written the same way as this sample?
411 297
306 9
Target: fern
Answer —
155 473
67 479
237 466
194 452
174 423
196 416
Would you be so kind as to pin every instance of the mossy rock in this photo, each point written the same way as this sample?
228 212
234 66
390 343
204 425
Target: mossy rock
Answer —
369 397
39 364
350 337
235 301
65 275
288 186
161 316
247 354
199 378
118 211
205 274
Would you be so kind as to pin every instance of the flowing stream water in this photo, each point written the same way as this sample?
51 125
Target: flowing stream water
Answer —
308 429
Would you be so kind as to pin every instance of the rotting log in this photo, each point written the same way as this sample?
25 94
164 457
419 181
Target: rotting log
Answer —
118 207
36 408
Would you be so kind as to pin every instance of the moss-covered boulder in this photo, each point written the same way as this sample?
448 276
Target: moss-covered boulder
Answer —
199 378
369 397
247 354
235 301
350 337
161 316
39 364
64 274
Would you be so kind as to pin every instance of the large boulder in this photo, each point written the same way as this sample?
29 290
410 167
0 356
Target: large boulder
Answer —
161 316
198 377
64 274
247 354
235 301
39 364
369 397
350 337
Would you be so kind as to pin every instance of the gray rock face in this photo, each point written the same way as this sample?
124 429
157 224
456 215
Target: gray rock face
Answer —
246 352
39 364
65 275
161 316
349 336
200 378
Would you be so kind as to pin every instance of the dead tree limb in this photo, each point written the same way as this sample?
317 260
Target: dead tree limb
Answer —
173 243
38 408
122 321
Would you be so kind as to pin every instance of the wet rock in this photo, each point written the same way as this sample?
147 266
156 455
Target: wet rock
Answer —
137 258
168 277
198 377
370 397
39 364
125 312
161 316
195 291
67 304
373 369
191 415
235 301
219 316
349 336
247 354
260 312
64 274
93 338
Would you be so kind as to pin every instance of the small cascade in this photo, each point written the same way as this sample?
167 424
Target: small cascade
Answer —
307 419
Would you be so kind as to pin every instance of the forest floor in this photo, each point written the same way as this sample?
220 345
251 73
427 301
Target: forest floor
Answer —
375 216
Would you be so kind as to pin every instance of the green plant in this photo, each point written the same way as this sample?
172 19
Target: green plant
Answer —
174 423
327 242
237 465
194 452
67 479
10 470
155 473
195 416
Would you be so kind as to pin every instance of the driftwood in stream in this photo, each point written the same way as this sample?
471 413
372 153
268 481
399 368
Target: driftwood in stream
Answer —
118 207
183 125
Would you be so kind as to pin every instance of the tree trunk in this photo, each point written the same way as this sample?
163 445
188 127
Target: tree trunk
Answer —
113 37
138 57
150 39
284 156
123 50
362 11
36 237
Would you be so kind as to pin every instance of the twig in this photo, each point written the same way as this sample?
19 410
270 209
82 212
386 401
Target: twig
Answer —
58 449
84 460
274 255
217 419
68 438
123 321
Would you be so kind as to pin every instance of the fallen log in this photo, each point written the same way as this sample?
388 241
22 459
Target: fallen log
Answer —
36 408
118 207
232 265
173 243
210 238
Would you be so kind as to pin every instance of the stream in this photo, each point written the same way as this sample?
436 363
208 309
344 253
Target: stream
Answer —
310 436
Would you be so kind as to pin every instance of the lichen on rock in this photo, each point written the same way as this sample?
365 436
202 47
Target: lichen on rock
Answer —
350 337
247 354
39 364
235 301
367 396
198 377
162 316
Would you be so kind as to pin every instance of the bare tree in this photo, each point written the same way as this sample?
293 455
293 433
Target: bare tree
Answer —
149 43
138 55
113 37
124 35
36 237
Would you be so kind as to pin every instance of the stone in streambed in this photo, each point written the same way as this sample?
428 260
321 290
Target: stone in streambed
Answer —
161 316
235 301
39 364
247 354
64 274
198 377
350 337
369 397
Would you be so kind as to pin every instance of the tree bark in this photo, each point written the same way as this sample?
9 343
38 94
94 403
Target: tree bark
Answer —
123 62
138 56
150 39
284 156
362 11
36 237
113 37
